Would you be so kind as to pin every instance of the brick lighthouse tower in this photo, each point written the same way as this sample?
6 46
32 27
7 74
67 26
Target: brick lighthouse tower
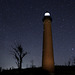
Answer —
48 57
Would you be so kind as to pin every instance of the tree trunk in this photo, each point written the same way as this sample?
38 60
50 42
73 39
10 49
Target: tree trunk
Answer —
20 62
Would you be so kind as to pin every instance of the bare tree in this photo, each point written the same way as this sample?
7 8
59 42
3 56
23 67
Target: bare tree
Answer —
18 54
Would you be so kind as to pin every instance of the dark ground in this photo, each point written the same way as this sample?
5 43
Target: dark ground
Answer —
59 70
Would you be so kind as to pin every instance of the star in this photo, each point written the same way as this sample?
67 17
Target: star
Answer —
63 19
61 26
72 49
31 7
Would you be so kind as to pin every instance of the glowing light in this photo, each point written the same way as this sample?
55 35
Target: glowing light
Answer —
47 14
72 49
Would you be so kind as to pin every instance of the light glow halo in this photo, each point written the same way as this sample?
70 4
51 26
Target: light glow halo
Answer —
47 14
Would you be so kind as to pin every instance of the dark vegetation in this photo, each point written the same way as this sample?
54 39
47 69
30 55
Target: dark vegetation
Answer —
59 70
19 54
65 70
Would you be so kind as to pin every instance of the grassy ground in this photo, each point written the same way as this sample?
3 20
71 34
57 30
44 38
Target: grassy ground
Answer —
59 70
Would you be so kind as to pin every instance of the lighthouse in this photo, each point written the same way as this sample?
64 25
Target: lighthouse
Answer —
47 55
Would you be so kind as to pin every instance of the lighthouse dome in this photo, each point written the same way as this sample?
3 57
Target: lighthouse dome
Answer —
47 14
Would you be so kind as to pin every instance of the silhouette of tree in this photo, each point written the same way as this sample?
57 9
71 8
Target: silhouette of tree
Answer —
0 69
32 64
18 54
69 62
73 63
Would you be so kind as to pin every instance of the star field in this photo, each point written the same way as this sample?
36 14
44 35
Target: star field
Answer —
21 21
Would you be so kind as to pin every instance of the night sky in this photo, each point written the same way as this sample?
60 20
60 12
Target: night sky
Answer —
21 22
